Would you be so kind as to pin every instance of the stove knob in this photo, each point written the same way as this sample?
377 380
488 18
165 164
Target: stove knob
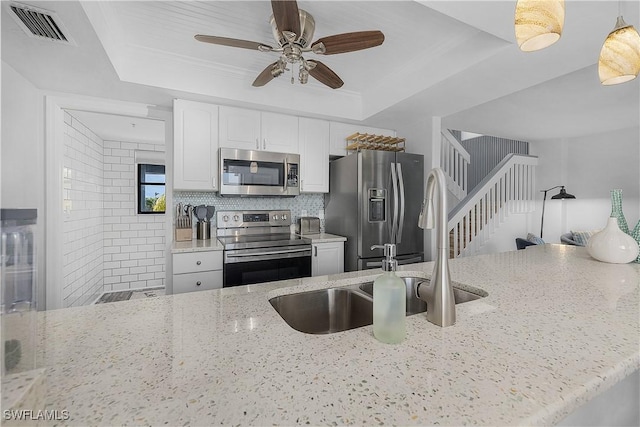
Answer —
236 218
225 218
275 217
284 217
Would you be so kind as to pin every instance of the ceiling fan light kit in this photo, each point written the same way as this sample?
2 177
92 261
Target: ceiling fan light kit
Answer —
619 60
293 29
538 23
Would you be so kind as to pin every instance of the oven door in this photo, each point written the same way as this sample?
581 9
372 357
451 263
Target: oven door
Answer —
258 173
247 266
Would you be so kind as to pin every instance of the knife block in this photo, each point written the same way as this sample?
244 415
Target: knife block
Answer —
184 234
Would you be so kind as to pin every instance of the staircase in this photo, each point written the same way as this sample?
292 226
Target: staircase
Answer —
454 161
508 189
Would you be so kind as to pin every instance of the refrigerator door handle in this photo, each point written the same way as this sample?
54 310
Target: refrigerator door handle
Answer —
401 218
394 223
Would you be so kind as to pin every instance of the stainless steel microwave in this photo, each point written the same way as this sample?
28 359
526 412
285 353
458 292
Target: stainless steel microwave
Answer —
258 173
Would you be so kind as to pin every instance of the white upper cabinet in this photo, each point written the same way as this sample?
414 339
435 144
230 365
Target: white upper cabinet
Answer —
279 133
314 155
255 130
195 146
240 128
340 131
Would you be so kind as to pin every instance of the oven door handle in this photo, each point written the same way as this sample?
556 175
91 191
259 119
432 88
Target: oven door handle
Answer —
289 251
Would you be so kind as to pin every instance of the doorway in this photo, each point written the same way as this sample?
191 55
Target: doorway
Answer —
97 240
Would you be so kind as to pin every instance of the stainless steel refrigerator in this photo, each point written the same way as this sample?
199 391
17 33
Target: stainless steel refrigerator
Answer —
375 198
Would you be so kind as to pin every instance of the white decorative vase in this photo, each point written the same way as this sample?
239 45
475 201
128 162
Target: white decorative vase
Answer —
612 245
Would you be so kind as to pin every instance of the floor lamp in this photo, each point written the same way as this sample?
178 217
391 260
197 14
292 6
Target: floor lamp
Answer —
561 195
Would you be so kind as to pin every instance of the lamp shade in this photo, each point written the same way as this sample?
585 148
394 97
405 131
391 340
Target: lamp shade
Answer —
538 23
620 55
563 195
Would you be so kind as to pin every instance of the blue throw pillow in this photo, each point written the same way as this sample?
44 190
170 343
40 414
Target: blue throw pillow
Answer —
535 239
582 237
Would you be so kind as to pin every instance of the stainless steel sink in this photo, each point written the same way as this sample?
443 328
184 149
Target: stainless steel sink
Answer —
416 305
325 311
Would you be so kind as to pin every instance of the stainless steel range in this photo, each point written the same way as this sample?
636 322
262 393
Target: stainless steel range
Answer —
259 247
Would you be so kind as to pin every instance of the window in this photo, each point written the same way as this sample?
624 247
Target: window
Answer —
151 189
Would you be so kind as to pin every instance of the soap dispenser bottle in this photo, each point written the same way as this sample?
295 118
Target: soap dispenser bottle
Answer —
389 300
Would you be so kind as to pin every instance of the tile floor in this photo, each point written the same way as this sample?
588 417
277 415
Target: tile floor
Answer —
127 295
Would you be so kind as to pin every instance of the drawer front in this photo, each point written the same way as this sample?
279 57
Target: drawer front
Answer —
194 262
192 282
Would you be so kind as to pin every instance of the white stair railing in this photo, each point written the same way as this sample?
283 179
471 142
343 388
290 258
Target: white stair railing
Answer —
508 189
454 161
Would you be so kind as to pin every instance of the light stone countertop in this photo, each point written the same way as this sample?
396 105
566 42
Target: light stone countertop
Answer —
556 329
196 245
324 238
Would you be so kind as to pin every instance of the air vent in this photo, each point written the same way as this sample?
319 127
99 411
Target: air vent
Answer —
40 23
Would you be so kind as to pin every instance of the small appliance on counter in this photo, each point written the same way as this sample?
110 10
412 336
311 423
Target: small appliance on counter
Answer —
308 225
184 230
203 227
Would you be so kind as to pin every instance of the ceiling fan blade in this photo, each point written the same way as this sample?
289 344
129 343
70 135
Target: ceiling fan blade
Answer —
265 76
224 41
286 14
349 42
325 75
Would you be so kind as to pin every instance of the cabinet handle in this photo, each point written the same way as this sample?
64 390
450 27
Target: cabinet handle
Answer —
264 144
198 283
257 144
213 182
198 262
315 250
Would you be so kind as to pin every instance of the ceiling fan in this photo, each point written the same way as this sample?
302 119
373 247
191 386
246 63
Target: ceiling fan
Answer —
293 30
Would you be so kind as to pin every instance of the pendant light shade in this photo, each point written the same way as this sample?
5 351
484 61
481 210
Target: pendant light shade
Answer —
620 55
538 23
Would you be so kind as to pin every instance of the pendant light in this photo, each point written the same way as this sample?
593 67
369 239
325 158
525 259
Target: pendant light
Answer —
620 55
538 23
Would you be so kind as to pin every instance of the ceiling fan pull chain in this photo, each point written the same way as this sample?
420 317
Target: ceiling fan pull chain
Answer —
292 79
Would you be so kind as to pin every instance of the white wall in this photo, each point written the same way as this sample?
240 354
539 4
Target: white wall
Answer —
23 155
82 245
589 167
134 245
419 141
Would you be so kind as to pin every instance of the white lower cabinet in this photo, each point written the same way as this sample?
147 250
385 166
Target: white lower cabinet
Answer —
327 258
197 271
190 282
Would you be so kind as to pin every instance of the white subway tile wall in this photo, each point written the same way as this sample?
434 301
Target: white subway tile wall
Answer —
134 244
107 245
312 203
83 177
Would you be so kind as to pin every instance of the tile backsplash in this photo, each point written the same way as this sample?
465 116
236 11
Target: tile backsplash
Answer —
311 203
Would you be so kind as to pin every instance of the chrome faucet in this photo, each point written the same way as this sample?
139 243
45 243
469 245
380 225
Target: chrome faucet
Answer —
438 294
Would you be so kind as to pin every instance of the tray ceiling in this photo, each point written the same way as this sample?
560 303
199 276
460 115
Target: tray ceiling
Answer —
452 59
153 38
